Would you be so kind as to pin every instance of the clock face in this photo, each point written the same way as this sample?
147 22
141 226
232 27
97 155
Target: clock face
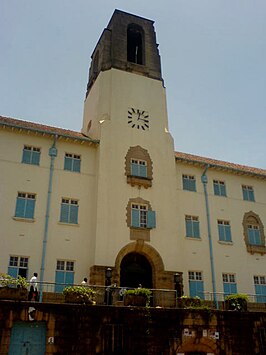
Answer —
138 118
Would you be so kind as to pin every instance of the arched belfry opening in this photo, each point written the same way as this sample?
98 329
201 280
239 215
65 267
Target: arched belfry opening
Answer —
135 51
135 269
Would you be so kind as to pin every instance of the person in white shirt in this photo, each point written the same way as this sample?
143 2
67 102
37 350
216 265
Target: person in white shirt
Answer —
84 282
33 294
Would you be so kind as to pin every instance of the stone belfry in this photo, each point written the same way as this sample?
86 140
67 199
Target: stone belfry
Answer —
128 43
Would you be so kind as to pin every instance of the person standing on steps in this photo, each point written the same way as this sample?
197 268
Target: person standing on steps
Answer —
33 294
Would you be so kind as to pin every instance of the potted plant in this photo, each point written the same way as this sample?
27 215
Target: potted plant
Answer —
137 297
189 302
13 288
236 302
79 294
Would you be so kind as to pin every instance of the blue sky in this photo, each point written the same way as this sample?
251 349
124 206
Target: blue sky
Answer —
213 60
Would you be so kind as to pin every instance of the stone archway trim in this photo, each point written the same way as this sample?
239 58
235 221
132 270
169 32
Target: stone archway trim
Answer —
161 278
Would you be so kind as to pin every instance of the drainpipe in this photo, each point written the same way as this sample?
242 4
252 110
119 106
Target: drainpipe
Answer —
204 180
52 154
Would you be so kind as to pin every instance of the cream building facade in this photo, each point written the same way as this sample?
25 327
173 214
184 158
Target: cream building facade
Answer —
117 194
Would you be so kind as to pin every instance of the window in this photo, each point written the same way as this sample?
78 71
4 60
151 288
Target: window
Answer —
64 274
192 227
254 234
31 155
260 288
189 183
72 162
134 44
196 287
69 211
18 265
219 188
25 205
229 284
248 193
224 230
141 217
138 168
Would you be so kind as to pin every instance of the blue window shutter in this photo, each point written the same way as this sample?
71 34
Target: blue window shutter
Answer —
13 271
59 279
226 289
193 185
151 223
192 289
221 232
135 218
68 163
143 170
216 189
257 237
223 190
134 169
196 229
30 206
233 288
73 218
200 289
188 228
26 156
20 207
35 158
76 165
228 237
245 194
185 184
64 212
69 278
251 195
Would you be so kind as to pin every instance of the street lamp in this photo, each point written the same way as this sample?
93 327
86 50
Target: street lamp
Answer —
178 280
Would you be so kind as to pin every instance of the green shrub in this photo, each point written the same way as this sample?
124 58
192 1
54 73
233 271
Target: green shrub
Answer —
144 292
139 291
237 302
82 294
9 281
189 302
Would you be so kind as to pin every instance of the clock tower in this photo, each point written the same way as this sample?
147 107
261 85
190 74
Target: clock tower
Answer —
125 109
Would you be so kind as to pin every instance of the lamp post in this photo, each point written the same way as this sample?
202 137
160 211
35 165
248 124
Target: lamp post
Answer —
108 291
178 280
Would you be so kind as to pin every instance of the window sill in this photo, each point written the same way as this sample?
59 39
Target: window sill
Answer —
139 181
23 219
23 162
72 171
69 224
260 249
193 238
190 190
223 242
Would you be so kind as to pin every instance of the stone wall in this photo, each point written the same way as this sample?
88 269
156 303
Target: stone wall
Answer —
77 329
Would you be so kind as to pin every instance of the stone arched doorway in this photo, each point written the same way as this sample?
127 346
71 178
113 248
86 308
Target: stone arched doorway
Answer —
135 269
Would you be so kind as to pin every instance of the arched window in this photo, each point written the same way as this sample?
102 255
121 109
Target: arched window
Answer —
254 233
135 44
